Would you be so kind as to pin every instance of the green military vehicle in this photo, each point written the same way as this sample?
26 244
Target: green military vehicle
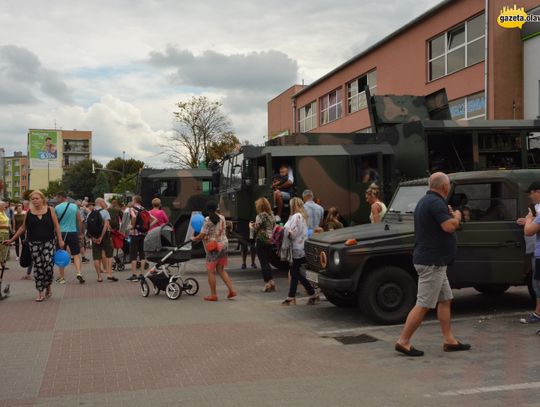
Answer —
180 192
370 266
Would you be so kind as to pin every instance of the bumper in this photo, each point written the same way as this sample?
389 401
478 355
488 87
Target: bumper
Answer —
335 284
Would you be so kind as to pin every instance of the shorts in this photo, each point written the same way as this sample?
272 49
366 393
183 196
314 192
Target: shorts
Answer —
285 196
433 285
104 246
71 241
136 246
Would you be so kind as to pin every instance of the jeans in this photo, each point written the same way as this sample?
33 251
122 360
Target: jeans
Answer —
297 277
263 253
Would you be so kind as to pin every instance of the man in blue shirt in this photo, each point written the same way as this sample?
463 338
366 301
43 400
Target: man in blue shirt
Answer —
435 225
70 227
314 211
532 228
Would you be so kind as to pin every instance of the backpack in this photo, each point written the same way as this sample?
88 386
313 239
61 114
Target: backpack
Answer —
94 224
277 236
142 220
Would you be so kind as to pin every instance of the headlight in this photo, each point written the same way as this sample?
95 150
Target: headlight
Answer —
336 258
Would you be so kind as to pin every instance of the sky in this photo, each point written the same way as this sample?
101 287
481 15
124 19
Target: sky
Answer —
117 67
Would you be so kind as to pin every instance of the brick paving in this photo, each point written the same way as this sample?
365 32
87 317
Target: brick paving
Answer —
103 344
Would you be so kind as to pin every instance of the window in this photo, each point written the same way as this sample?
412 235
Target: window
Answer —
331 107
469 107
23 189
356 94
167 188
236 174
308 117
457 48
206 187
486 202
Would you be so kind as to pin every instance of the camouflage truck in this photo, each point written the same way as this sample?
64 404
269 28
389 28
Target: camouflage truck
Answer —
370 266
180 192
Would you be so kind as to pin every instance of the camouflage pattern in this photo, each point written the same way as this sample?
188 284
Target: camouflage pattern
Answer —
180 191
491 253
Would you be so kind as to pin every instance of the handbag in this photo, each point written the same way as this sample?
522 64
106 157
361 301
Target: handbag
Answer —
26 258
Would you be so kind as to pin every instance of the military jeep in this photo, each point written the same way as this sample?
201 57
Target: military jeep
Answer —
370 266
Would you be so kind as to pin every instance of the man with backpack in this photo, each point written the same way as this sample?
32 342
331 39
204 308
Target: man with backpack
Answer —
98 228
70 222
141 222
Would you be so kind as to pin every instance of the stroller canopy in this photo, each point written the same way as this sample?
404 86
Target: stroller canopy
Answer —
159 238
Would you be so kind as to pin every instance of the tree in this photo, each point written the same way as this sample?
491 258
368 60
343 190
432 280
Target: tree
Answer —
200 123
126 167
26 194
53 188
227 144
126 184
79 180
102 185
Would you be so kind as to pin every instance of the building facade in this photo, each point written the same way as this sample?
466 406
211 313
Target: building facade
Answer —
51 152
530 35
456 45
15 175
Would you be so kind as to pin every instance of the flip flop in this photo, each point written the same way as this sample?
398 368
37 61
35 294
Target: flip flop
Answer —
410 352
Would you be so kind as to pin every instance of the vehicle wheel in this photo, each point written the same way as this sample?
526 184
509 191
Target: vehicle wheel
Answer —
156 290
492 290
191 286
120 266
340 300
387 295
114 266
145 289
276 261
173 291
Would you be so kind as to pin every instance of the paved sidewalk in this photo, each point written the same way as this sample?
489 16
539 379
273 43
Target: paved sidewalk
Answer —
102 344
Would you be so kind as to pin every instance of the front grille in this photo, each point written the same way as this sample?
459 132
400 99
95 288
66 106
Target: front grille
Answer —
313 252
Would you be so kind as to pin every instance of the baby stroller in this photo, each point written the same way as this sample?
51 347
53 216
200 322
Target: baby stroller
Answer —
118 243
3 292
167 274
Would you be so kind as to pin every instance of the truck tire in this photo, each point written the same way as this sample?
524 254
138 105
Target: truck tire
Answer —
276 261
492 290
340 300
387 295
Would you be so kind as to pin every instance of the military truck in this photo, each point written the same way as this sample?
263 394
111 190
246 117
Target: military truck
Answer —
370 266
180 192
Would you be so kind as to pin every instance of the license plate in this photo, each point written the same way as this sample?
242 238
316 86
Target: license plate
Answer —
313 277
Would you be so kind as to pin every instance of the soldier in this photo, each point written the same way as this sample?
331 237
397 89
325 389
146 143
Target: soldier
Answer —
435 225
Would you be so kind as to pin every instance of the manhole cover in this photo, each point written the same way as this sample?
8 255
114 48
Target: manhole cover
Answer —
351 340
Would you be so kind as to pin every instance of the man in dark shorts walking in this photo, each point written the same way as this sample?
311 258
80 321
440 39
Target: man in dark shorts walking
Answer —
435 225
136 246
70 227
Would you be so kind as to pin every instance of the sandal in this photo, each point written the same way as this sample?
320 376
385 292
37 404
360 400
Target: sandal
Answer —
211 298
289 301
39 299
313 299
232 294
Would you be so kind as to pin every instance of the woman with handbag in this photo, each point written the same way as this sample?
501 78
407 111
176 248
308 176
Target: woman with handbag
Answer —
42 230
263 229
296 231
215 244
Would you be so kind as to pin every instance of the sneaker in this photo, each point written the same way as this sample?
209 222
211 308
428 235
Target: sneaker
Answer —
133 277
253 266
80 278
85 260
244 266
61 280
532 318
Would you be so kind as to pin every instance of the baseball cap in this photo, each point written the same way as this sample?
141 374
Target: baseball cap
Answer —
535 186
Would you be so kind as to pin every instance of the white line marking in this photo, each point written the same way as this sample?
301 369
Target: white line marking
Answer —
491 389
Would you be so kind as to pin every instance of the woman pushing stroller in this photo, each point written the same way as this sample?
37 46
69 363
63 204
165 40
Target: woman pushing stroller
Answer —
214 238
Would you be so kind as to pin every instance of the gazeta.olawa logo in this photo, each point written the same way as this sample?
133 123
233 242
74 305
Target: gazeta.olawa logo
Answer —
515 17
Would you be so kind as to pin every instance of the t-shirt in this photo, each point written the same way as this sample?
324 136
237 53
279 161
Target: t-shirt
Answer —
315 214
537 245
161 216
68 224
433 245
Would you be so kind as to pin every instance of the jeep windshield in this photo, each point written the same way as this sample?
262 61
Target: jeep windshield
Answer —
405 200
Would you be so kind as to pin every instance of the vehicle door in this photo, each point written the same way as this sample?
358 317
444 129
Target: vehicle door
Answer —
490 243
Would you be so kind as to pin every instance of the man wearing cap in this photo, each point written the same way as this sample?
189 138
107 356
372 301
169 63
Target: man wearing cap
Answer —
532 228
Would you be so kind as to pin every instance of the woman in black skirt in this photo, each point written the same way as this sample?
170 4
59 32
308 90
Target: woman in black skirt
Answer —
42 232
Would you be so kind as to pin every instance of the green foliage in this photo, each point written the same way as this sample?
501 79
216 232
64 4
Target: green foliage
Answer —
126 167
226 144
79 181
102 185
126 184
53 188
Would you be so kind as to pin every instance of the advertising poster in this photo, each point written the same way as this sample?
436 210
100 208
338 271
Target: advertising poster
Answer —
43 149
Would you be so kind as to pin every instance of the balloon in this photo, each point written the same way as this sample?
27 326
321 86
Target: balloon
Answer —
309 232
197 222
62 258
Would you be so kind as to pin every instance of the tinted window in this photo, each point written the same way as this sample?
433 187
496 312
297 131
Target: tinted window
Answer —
486 202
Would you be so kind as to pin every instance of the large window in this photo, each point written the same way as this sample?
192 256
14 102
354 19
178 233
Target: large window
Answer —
356 94
469 107
331 107
308 117
494 201
457 48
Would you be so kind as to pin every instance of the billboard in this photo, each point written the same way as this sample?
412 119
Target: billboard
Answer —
43 148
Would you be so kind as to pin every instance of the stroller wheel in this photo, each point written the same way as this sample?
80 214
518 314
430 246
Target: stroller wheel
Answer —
114 266
191 286
120 266
173 291
156 290
145 290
